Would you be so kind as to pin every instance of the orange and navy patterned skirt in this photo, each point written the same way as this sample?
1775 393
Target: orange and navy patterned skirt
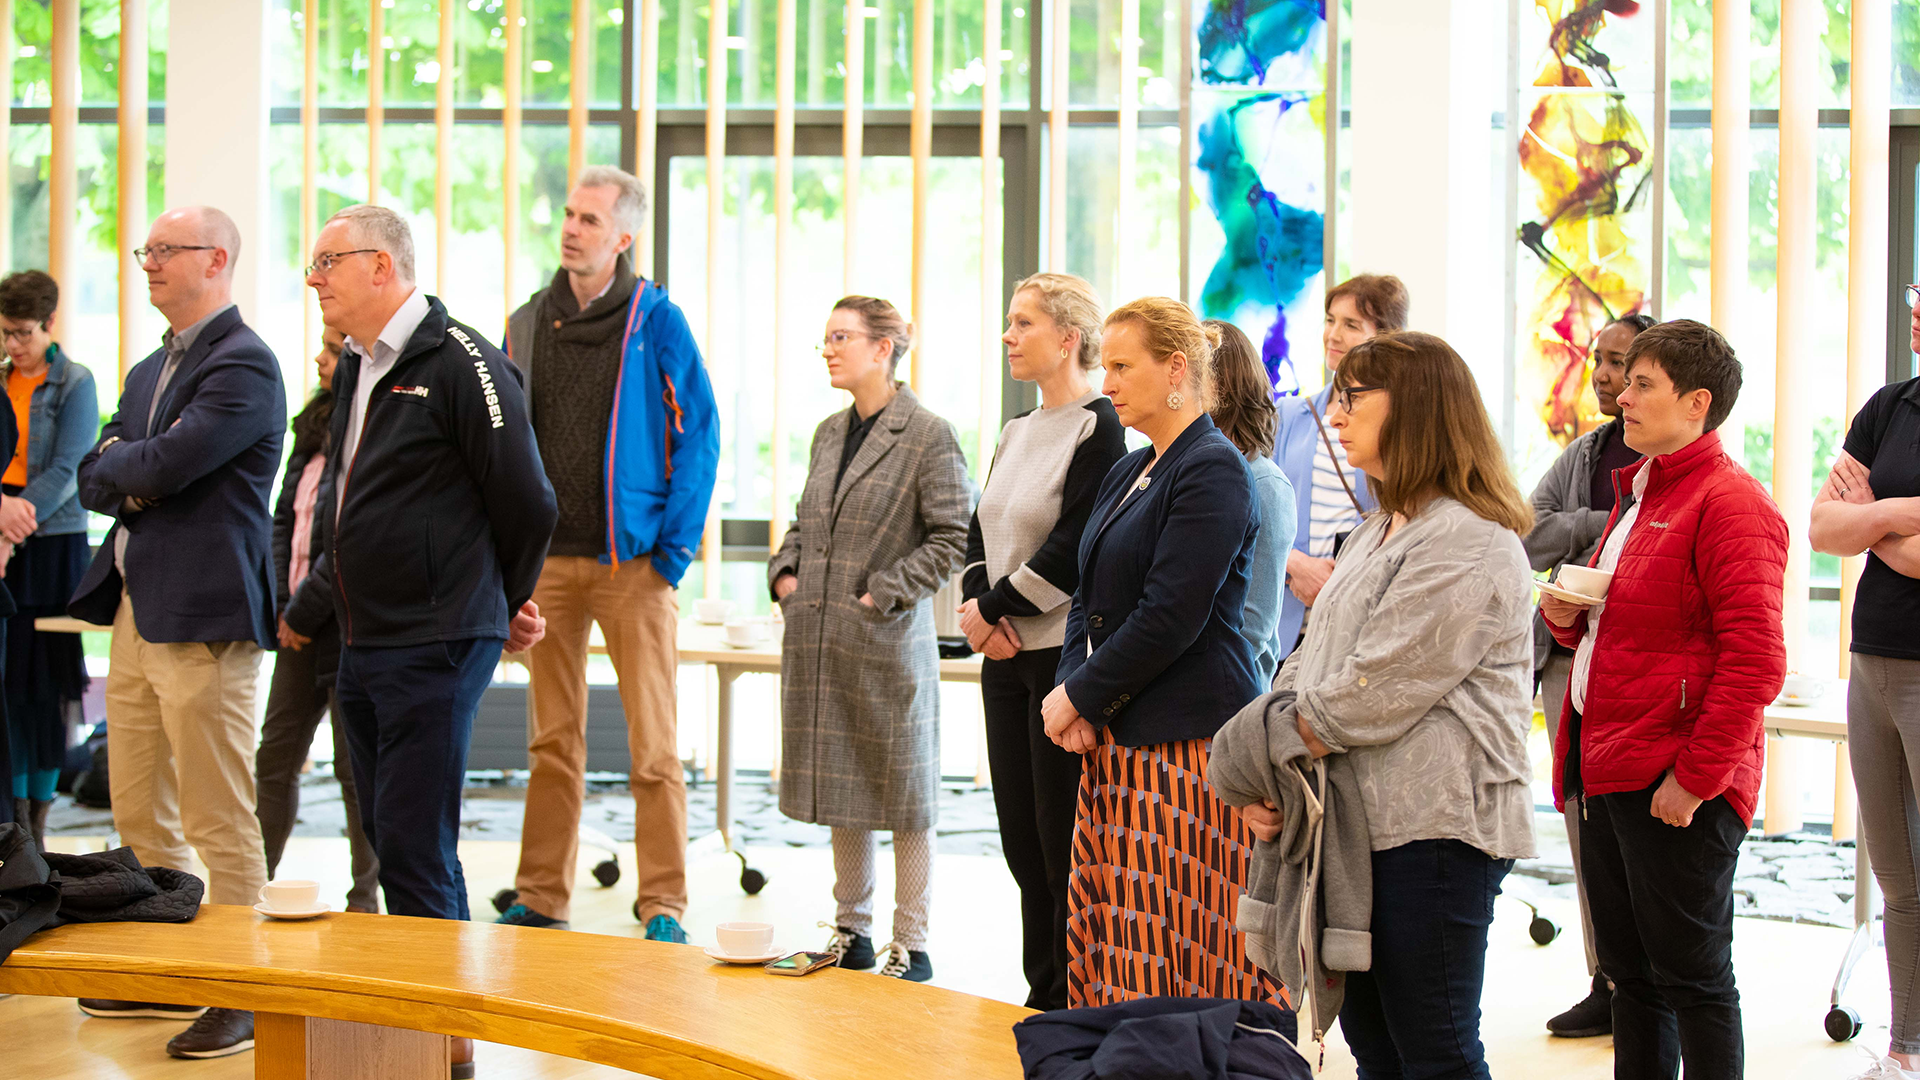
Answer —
1159 863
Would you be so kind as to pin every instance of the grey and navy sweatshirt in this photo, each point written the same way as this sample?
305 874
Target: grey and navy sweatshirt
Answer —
1024 544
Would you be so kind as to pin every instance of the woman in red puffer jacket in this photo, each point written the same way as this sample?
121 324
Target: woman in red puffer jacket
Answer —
1661 737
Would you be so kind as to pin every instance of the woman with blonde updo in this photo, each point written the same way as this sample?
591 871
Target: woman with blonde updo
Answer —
1022 568
1153 664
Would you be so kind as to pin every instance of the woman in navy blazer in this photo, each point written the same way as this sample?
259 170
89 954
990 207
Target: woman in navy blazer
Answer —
1153 664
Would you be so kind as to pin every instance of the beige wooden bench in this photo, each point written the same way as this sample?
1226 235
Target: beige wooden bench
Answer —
355 996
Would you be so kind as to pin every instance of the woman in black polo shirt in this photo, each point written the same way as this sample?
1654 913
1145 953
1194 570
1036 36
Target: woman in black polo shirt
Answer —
1871 503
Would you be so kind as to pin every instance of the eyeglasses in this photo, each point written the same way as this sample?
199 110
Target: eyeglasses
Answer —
20 335
1345 395
325 262
160 253
837 340
1913 296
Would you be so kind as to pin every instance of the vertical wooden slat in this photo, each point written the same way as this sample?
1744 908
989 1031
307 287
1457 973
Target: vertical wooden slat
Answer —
1656 279
1129 138
716 209
920 141
579 88
309 164
376 93
1870 76
1801 24
1057 137
443 149
510 167
6 128
991 271
784 47
131 213
1184 212
1727 236
851 137
62 172
647 130
1330 148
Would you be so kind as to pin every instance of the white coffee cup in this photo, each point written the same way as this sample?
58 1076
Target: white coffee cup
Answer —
291 894
744 938
1585 580
1801 687
745 632
712 612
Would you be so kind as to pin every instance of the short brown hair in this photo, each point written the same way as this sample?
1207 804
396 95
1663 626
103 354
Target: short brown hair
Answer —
1437 439
883 321
1243 398
1695 357
1072 305
29 295
1172 327
1381 298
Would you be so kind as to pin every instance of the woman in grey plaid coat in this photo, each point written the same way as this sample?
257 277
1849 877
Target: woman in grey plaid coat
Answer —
881 524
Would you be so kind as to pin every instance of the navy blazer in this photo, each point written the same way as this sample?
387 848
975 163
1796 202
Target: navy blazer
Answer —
1163 584
200 559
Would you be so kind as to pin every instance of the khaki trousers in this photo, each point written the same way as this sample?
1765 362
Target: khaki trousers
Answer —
639 615
180 740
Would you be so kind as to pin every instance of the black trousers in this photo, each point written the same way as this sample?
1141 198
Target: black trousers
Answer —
1662 902
1035 788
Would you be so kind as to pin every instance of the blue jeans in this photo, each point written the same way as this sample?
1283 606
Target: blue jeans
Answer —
408 712
1417 1013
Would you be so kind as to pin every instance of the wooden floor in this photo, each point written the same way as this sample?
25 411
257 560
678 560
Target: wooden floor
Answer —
1785 974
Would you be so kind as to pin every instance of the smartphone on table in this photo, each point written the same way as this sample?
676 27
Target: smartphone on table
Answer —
801 963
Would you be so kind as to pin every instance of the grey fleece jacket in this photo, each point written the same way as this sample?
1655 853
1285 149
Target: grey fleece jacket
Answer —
1318 872
1566 527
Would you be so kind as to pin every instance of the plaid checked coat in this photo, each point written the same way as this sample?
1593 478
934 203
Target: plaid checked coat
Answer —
860 687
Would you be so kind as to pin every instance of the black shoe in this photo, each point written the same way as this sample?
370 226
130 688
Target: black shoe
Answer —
109 1009
37 811
1592 1016
217 1034
909 964
855 951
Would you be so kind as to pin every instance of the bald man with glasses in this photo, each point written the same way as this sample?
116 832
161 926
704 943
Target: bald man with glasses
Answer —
185 578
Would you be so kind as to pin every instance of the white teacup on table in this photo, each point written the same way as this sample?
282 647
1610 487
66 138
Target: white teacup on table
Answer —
746 633
291 898
713 612
1800 689
743 942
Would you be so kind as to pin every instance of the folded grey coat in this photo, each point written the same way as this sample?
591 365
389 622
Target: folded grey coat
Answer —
1308 908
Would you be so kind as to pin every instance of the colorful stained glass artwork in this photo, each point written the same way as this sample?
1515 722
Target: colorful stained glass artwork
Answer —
1586 175
1259 104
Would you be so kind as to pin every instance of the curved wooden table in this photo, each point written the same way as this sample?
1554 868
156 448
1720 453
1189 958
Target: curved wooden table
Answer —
664 1010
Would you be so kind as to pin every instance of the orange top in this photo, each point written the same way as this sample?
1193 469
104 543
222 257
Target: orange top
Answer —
20 389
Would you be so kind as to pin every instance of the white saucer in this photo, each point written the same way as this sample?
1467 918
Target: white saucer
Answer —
743 648
276 913
1568 595
729 958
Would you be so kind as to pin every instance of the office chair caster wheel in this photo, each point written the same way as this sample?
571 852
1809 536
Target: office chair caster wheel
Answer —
607 872
1543 930
752 881
1842 1023
504 899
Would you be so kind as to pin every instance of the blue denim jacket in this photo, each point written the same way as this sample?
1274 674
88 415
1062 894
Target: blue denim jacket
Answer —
63 422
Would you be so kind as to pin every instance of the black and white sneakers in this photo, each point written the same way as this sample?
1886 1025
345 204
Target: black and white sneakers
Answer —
904 963
854 951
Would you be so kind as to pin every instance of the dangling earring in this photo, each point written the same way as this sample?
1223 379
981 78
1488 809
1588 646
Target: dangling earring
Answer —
1175 400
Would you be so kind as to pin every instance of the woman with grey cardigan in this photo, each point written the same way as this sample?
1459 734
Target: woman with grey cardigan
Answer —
1418 667
881 525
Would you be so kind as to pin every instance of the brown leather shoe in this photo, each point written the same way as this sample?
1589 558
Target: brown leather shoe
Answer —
217 1034
462 1059
110 1009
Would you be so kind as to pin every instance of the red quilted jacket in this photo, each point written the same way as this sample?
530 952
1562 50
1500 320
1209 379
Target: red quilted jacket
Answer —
1690 649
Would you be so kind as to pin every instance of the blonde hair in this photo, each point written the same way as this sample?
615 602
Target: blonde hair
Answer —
1171 327
1437 438
883 321
1072 305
